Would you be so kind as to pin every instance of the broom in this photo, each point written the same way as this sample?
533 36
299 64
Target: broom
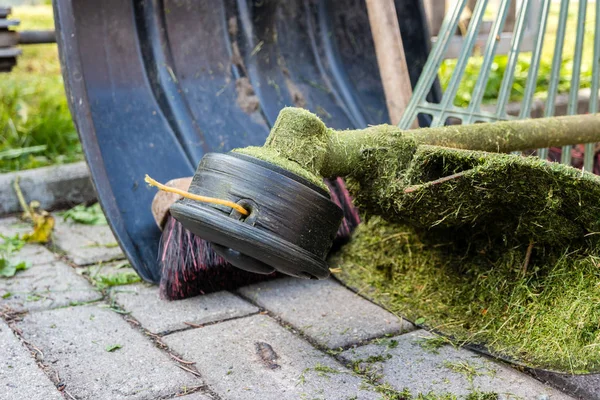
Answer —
188 264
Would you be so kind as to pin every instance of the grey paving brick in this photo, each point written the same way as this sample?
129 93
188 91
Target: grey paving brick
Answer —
107 268
160 316
325 310
407 365
195 396
10 226
86 244
32 253
46 286
35 254
255 358
20 377
74 342
107 274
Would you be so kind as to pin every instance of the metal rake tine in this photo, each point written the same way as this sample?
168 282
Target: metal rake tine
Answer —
556 64
432 65
513 55
565 157
536 57
588 158
488 59
461 63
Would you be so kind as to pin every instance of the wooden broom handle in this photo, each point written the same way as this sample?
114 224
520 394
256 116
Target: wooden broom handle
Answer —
390 57
163 200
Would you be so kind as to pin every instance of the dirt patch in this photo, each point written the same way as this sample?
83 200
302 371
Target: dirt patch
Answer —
246 98
297 96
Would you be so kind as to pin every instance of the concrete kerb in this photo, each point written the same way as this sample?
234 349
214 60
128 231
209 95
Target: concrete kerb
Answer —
55 187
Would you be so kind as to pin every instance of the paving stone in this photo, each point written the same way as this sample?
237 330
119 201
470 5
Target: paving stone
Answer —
160 316
74 342
255 358
34 254
86 244
20 377
11 226
107 274
407 365
325 311
47 286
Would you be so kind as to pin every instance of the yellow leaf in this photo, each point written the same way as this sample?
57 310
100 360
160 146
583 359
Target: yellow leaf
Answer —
42 228
43 223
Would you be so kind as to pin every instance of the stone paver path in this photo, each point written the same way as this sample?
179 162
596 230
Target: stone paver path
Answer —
20 377
64 337
85 244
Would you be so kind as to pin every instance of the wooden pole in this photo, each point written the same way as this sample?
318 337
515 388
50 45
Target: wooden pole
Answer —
390 57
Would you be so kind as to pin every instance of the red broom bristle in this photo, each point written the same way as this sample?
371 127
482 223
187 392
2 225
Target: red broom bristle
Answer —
577 156
190 267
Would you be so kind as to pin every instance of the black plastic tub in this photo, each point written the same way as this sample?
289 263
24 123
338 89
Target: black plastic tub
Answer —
154 85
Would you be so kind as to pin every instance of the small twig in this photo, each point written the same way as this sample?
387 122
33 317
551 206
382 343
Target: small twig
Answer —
69 394
153 335
190 390
21 198
32 346
527 257
182 361
414 188
194 325
191 371
132 321
38 350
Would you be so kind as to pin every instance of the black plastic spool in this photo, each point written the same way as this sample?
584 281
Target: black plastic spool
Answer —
291 225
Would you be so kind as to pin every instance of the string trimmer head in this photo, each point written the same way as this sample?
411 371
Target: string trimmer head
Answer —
402 175
291 223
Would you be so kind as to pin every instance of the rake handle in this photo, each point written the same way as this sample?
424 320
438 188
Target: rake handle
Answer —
391 59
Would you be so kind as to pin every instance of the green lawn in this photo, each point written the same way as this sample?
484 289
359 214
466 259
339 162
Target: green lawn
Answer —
35 123
36 127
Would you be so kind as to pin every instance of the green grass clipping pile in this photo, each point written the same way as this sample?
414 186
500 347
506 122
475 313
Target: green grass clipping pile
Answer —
504 254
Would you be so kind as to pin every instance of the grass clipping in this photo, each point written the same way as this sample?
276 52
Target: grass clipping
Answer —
504 254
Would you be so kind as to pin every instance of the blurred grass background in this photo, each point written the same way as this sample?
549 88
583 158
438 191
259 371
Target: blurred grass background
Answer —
524 60
36 128
35 124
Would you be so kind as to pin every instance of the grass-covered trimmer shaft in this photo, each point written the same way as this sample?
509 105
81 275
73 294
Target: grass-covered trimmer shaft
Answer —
423 177
301 137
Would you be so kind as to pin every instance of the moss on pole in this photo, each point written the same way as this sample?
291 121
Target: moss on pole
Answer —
301 137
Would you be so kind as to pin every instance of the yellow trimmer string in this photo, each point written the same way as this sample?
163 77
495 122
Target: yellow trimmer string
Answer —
196 197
